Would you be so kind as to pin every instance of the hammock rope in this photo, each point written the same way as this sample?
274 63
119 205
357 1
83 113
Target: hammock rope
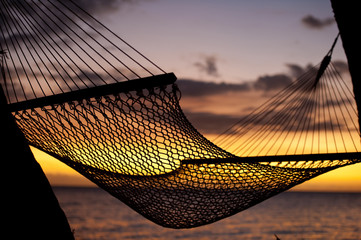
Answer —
85 96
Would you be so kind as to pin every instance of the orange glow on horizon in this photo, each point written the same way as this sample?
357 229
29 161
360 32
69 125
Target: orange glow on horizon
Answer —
345 179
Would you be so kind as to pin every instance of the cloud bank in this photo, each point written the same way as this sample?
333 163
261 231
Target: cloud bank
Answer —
212 107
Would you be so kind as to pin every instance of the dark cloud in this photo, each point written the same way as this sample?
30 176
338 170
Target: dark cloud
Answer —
69 79
282 80
272 82
265 83
208 65
316 23
292 119
341 66
297 70
201 88
211 123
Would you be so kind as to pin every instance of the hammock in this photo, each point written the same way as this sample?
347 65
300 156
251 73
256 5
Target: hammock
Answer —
82 94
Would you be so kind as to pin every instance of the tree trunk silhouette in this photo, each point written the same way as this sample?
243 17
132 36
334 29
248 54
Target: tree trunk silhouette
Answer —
348 19
30 207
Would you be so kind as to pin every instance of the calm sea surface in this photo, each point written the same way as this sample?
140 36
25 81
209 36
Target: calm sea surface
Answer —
95 215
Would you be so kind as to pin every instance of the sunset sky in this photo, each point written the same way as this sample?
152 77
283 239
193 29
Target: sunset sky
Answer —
233 42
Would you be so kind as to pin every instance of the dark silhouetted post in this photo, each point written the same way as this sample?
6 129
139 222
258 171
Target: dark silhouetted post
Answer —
347 15
30 207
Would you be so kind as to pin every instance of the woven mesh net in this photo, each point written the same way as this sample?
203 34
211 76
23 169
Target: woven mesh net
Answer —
131 138
136 146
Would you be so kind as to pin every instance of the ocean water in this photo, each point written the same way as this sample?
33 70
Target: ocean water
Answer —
95 215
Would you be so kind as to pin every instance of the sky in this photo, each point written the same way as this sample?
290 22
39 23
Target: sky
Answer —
235 42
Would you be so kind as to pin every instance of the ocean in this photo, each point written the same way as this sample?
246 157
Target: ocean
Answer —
93 214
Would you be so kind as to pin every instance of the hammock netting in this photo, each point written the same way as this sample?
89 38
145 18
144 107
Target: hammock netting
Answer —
82 94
